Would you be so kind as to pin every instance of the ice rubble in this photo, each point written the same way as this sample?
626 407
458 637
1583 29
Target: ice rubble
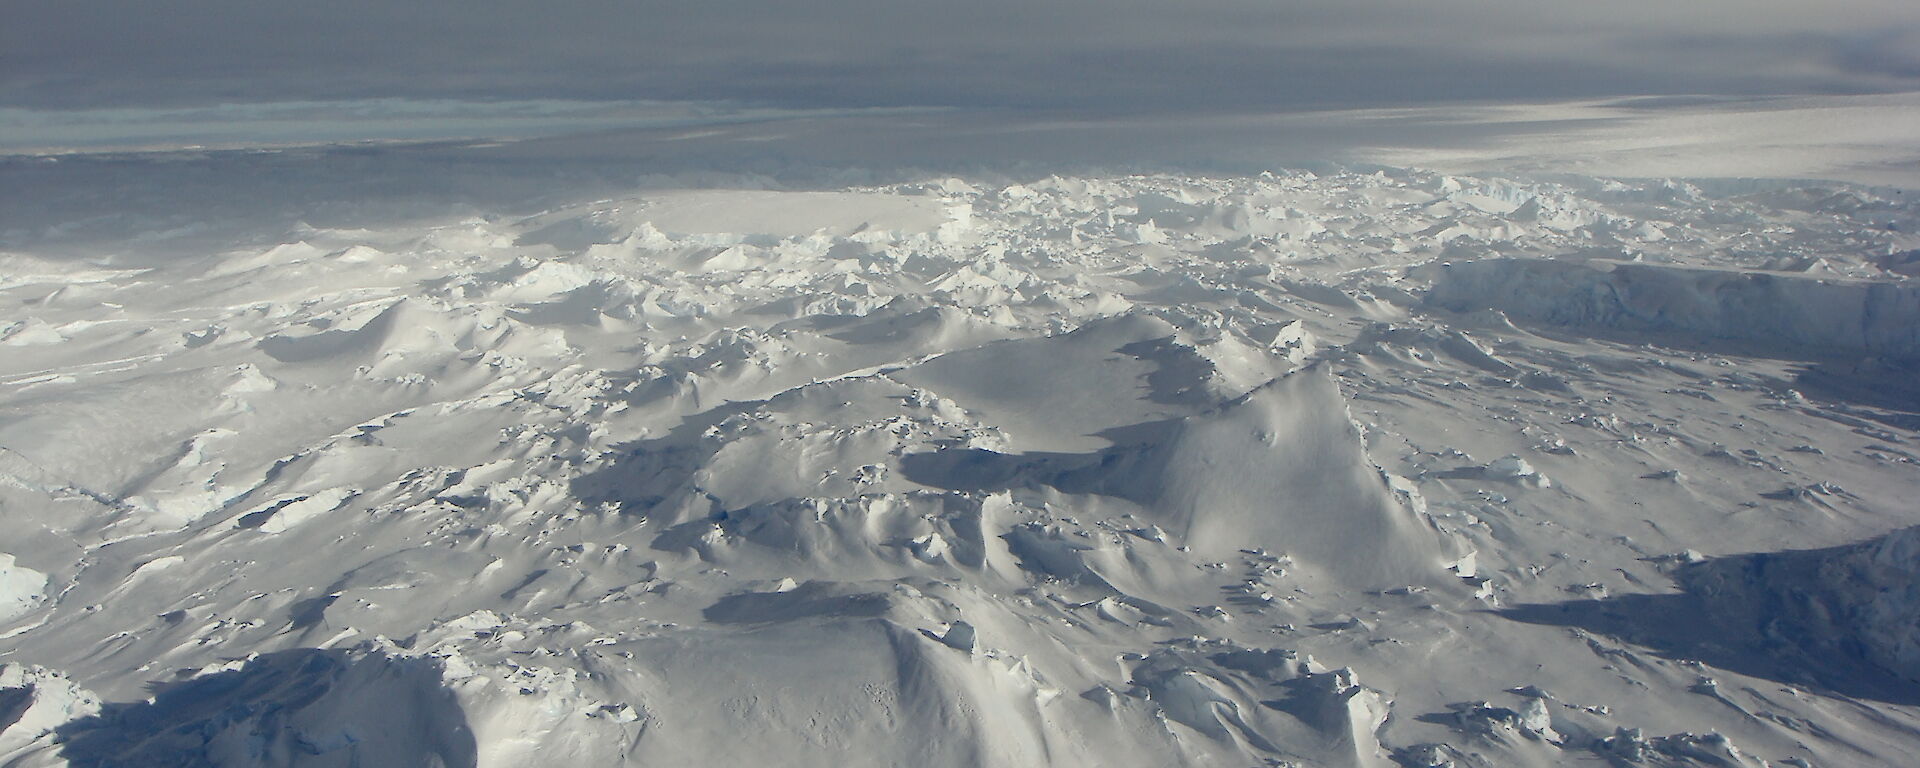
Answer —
22 589
1067 471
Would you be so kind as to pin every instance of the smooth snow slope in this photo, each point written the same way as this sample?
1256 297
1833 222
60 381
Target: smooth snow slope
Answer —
1342 469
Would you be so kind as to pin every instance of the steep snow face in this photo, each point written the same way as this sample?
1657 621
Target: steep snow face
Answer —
1883 589
1348 469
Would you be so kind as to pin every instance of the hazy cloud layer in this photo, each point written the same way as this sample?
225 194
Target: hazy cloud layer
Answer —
1122 55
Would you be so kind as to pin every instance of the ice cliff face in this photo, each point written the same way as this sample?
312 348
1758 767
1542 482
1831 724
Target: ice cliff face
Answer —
1364 469
1775 310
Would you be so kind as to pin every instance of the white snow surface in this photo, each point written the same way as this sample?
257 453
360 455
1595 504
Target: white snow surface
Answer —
1317 469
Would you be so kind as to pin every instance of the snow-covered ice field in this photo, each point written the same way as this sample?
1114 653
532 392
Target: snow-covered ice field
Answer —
1357 466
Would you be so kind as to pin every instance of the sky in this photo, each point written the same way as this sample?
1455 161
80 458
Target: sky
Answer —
1118 55
136 72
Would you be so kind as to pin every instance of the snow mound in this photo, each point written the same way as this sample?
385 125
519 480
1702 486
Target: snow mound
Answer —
1282 469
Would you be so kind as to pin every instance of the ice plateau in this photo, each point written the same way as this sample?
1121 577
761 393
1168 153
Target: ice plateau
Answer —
1347 468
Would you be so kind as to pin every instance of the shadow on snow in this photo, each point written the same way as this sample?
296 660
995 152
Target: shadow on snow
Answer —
291 708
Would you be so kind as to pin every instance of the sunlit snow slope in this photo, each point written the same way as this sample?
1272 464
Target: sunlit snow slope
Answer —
1353 469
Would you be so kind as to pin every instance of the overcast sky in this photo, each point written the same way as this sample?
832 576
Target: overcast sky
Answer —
1105 55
